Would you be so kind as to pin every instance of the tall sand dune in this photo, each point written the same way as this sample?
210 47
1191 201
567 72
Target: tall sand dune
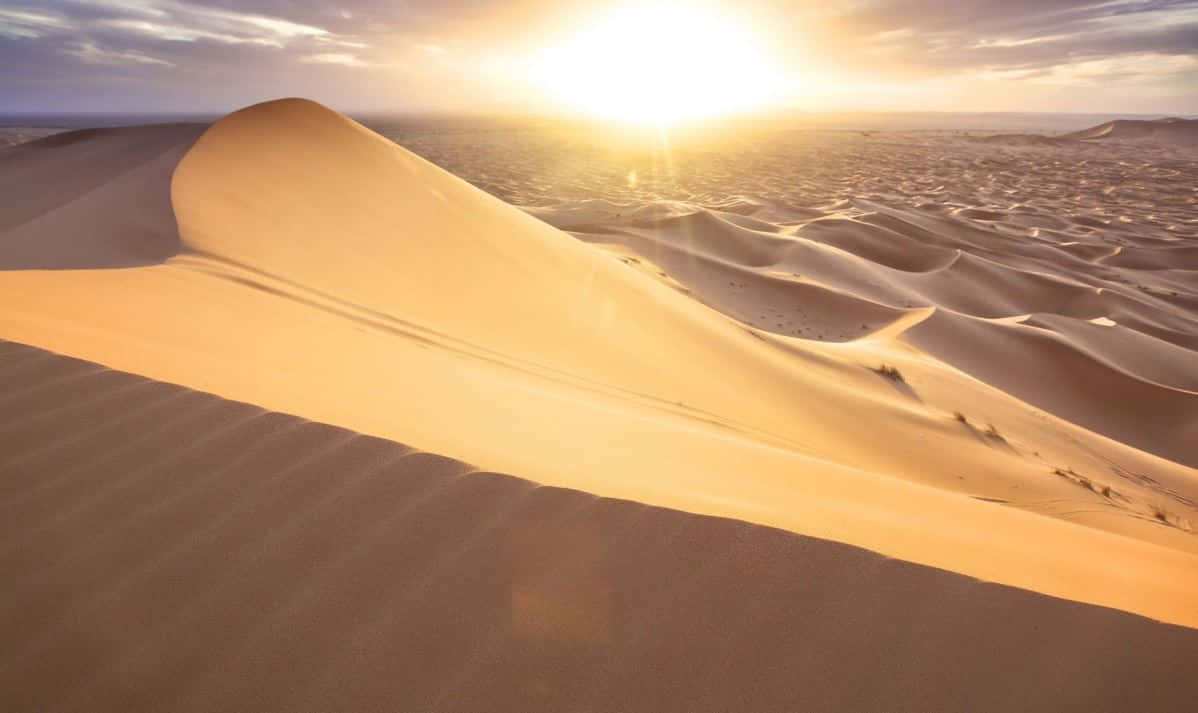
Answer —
798 373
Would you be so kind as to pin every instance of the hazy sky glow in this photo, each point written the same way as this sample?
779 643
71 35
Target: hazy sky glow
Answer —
479 55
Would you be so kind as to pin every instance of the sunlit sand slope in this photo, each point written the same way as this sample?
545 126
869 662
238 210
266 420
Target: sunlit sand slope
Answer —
165 549
327 273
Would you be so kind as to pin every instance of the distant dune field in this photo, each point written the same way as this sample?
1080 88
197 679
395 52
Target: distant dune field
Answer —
878 422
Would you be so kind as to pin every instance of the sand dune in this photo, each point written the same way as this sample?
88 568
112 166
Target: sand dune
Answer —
884 264
1045 370
1020 140
851 273
1171 130
168 549
913 364
879 244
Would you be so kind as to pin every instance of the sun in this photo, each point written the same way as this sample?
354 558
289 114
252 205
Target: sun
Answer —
660 64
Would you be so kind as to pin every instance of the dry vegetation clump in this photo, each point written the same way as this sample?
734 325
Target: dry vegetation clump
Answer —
1071 474
891 372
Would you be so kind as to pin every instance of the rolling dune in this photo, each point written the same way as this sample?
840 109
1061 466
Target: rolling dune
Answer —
882 356
1102 292
1170 130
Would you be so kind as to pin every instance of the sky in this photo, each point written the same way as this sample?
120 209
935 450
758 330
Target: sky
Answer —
546 56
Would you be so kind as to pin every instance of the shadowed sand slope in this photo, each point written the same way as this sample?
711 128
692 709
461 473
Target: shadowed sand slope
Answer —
91 198
168 550
1044 369
327 273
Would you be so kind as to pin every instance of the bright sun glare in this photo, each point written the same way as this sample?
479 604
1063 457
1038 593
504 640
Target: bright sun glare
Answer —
660 64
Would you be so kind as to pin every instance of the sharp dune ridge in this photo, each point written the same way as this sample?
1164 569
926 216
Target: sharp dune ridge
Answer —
999 390
221 557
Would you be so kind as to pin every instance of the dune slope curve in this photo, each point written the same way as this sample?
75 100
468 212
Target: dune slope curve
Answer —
345 220
378 229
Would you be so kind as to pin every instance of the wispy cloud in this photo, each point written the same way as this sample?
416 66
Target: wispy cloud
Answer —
342 58
1012 34
26 23
178 20
179 33
92 53
193 21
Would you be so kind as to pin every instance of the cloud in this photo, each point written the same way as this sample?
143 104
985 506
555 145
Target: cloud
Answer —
179 20
269 45
342 58
136 21
179 33
926 36
91 53
29 23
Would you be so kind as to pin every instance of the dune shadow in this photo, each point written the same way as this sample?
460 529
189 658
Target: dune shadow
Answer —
1054 374
93 198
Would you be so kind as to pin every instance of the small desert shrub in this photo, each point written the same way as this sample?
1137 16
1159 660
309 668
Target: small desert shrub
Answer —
891 373
960 417
992 432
